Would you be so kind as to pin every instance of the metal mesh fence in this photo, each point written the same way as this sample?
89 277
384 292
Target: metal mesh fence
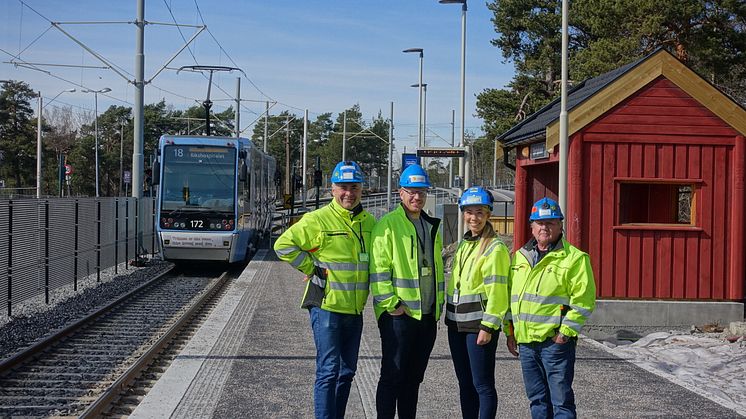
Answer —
49 243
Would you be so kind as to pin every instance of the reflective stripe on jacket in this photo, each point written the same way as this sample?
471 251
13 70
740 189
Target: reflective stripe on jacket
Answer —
394 270
328 241
483 286
556 294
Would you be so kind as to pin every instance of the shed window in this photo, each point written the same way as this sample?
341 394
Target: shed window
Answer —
656 203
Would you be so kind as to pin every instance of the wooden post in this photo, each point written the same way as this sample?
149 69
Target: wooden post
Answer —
520 211
737 277
574 214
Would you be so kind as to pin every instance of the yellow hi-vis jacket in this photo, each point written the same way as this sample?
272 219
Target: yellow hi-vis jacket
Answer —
482 283
556 294
394 270
329 245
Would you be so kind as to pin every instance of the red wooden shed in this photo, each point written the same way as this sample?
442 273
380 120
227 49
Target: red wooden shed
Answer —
656 172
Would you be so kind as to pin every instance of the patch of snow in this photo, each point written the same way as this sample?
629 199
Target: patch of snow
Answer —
706 364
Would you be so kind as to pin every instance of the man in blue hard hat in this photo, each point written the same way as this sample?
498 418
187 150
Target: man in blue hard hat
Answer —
552 295
330 246
408 287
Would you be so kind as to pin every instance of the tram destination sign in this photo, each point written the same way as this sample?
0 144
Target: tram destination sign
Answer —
196 154
441 152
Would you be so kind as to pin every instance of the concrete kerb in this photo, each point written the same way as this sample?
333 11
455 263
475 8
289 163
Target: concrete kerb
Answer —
673 314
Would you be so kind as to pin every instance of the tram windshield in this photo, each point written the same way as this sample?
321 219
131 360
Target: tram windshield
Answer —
198 178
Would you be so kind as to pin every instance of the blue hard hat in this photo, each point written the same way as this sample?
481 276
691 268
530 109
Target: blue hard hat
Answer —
414 176
347 172
476 195
546 209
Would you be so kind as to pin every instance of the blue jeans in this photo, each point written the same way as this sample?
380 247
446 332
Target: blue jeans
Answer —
337 339
548 371
475 370
406 344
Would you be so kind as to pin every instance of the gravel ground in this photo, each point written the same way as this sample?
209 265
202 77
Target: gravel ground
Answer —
33 319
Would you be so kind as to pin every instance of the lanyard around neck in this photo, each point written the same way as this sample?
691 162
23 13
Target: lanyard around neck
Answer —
462 263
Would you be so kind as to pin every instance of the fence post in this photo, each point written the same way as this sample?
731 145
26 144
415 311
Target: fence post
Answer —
126 233
152 234
116 236
10 256
137 231
75 262
98 240
46 251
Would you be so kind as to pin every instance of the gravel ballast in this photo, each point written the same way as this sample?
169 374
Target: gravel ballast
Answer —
32 319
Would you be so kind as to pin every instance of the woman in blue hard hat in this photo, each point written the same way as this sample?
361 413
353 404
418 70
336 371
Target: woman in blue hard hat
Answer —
477 299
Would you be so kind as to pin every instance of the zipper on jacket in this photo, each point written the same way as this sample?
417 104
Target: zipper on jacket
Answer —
549 269
411 247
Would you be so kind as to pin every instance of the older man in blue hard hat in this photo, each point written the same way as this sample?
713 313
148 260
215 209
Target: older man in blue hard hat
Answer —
407 283
552 295
331 245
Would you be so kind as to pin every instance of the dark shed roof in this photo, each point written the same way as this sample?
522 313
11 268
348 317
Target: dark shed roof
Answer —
534 127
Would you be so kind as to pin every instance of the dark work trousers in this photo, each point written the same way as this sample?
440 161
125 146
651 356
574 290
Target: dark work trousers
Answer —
406 345
475 370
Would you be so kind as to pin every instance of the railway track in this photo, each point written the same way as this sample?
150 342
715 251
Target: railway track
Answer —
85 369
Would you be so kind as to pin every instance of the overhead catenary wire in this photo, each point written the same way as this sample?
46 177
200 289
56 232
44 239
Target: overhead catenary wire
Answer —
127 75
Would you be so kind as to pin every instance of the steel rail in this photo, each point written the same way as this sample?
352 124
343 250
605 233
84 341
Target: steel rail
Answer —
111 394
42 345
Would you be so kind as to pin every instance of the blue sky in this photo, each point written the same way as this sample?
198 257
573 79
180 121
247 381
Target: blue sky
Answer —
323 56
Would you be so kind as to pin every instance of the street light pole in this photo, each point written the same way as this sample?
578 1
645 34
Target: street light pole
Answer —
344 136
463 174
420 133
450 161
95 124
423 87
563 140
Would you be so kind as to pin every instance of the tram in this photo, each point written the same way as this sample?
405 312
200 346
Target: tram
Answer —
215 197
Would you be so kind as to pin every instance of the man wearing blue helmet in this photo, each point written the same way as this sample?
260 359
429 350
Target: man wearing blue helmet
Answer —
552 295
330 246
407 283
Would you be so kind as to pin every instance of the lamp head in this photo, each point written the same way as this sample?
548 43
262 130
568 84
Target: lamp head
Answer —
419 50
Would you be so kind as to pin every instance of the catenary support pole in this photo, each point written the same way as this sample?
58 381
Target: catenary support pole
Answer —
305 149
391 160
238 107
38 149
266 126
139 122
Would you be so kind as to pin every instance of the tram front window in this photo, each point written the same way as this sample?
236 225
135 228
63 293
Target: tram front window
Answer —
198 178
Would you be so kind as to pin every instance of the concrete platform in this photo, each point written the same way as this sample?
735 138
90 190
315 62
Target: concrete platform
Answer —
622 313
255 358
